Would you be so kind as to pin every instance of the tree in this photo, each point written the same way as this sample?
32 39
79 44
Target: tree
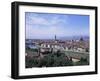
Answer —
83 61
50 60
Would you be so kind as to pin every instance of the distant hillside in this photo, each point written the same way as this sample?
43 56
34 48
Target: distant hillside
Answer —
65 38
74 38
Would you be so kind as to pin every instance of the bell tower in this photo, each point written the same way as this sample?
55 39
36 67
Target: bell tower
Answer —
55 37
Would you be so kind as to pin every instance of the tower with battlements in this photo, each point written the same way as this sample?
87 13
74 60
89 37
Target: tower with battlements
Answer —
55 37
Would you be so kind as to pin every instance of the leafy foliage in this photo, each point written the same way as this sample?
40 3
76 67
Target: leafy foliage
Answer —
83 61
33 50
50 60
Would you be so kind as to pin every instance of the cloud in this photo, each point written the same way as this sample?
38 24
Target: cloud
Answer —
44 25
44 19
41 25
36 32
36 21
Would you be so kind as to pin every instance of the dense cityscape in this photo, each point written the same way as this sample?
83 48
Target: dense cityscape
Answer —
56 52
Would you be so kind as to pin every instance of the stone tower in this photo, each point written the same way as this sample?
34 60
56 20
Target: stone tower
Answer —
55 37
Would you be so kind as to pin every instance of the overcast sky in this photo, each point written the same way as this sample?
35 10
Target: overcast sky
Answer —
46 25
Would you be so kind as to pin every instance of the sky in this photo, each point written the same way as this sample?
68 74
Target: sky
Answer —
47 25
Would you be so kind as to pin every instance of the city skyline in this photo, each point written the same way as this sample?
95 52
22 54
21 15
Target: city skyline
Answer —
47 25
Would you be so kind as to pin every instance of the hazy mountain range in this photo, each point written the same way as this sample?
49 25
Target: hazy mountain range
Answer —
69 38
74 37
